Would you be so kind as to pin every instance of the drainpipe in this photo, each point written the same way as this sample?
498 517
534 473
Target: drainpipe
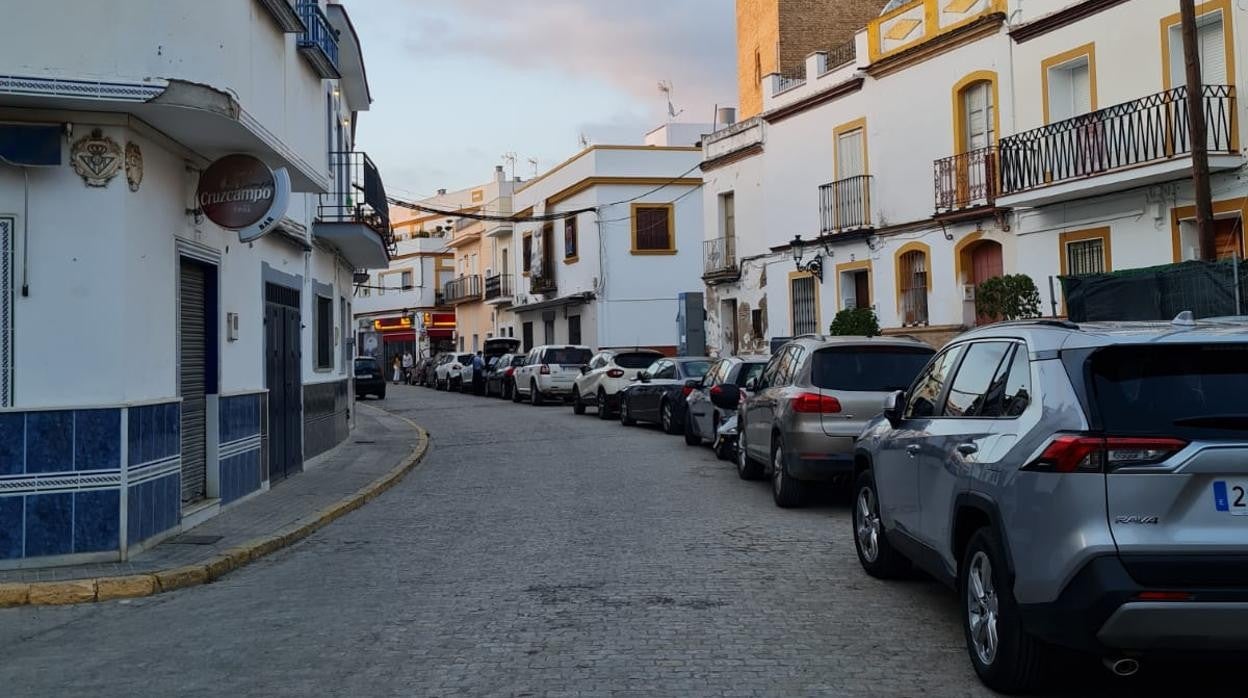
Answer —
26 233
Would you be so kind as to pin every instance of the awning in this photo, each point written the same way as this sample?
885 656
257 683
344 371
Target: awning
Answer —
360 244
204 120
434 333
574 299
398 337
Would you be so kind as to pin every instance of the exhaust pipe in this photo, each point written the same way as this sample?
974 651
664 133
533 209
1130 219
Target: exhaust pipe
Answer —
1123 666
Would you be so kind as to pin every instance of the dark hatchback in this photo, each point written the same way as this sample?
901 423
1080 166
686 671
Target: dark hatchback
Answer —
368 378
658 395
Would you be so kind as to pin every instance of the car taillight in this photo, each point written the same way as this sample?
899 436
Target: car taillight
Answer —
1164 596
814 403
1080 453
509 371
545 370
615 373
685 390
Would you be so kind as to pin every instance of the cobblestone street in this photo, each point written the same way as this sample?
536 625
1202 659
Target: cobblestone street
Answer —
533 553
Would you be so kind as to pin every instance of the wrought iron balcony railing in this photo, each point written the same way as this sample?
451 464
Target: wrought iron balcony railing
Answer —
357 195
319 41
543 285
463 289
967 181
845 205
498 286
719 255
1147 130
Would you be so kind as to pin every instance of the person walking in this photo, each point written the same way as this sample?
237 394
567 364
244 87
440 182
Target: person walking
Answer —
398 369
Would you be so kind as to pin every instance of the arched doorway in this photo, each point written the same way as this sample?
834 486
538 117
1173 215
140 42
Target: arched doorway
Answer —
978 260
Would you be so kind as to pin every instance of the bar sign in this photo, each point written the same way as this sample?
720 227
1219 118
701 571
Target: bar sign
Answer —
1220 500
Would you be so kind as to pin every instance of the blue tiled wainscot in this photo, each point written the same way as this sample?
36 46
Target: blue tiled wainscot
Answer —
240 439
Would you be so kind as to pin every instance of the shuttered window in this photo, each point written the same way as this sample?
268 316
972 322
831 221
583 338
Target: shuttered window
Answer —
850 155
1211 40
977 115
526 251
324 333
652 229
805 311
1070 90
574 329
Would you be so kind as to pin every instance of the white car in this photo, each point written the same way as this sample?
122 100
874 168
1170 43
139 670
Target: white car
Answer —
609 372
549 371
449 374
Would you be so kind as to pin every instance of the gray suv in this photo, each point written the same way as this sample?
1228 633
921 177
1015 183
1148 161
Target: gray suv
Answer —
1080 486
813 399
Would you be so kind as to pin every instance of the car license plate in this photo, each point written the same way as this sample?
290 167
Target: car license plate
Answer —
1231 496
364 375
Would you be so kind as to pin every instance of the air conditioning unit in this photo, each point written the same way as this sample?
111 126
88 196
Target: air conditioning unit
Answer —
968 292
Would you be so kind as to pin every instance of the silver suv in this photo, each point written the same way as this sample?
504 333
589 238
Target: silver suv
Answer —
812 400
1081 486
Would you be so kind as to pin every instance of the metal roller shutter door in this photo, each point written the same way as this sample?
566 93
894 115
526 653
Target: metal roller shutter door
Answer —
191 326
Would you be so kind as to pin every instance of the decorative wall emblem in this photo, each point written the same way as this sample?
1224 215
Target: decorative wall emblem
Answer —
134 165
96 158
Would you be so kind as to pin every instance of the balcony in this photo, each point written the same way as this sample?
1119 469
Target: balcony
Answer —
284 13
845 205
967 185
719 260
1128 145
543 285
319 41
499 289
465 289
498 229
354 215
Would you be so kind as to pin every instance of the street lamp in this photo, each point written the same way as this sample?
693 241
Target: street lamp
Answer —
814 267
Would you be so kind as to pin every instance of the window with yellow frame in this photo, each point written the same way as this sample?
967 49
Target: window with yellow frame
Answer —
654 229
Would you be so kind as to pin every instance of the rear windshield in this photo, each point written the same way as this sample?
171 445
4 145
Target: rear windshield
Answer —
566 357
695 369
636 359
868 369
366 366
749 371
517 361
464 358
1186 390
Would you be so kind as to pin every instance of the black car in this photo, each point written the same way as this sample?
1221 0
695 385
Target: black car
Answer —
368 378
658 395
424 369
499 380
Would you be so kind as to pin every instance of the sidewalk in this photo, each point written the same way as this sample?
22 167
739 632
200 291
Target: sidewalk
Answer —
380 450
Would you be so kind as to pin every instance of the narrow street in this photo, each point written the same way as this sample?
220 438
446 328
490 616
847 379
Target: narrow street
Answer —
532 553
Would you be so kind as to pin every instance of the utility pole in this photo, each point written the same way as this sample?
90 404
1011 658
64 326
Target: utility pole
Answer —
1198 133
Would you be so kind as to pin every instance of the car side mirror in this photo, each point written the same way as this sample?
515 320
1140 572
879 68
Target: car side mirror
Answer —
894 404
751 384
695 383
584 369
726 396
644 376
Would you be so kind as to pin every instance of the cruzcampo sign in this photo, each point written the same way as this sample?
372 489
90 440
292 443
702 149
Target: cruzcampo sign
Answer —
241 193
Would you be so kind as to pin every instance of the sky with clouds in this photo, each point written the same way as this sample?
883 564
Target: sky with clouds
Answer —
458 83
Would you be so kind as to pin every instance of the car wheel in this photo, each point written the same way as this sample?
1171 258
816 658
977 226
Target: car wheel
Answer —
747 468
578 406
667 417
786 491
381 395
876 555
1006 658
515 394
626 417
535 397
604 412
691 439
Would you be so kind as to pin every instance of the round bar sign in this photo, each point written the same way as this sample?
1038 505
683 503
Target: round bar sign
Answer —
236 191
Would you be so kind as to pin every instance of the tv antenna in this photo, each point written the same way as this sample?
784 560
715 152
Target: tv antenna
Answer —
665 88
533 162
584 140
509 157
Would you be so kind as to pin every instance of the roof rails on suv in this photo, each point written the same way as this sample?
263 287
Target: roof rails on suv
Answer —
1038 322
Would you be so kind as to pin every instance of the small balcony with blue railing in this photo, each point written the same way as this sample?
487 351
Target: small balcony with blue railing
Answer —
1138 143
319 41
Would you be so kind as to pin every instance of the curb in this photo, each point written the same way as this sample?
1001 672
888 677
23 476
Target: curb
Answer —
89 590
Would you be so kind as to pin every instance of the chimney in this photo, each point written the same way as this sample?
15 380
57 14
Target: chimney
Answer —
498 174
441 192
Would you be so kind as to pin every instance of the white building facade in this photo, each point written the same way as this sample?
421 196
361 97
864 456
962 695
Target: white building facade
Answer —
951 143
616 243
155 368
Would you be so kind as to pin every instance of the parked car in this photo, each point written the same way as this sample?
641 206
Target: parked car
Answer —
422 374
494 347
368 378
814 397
499 380
658 395
704 417
449 373
1079 486
549 371
609 372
